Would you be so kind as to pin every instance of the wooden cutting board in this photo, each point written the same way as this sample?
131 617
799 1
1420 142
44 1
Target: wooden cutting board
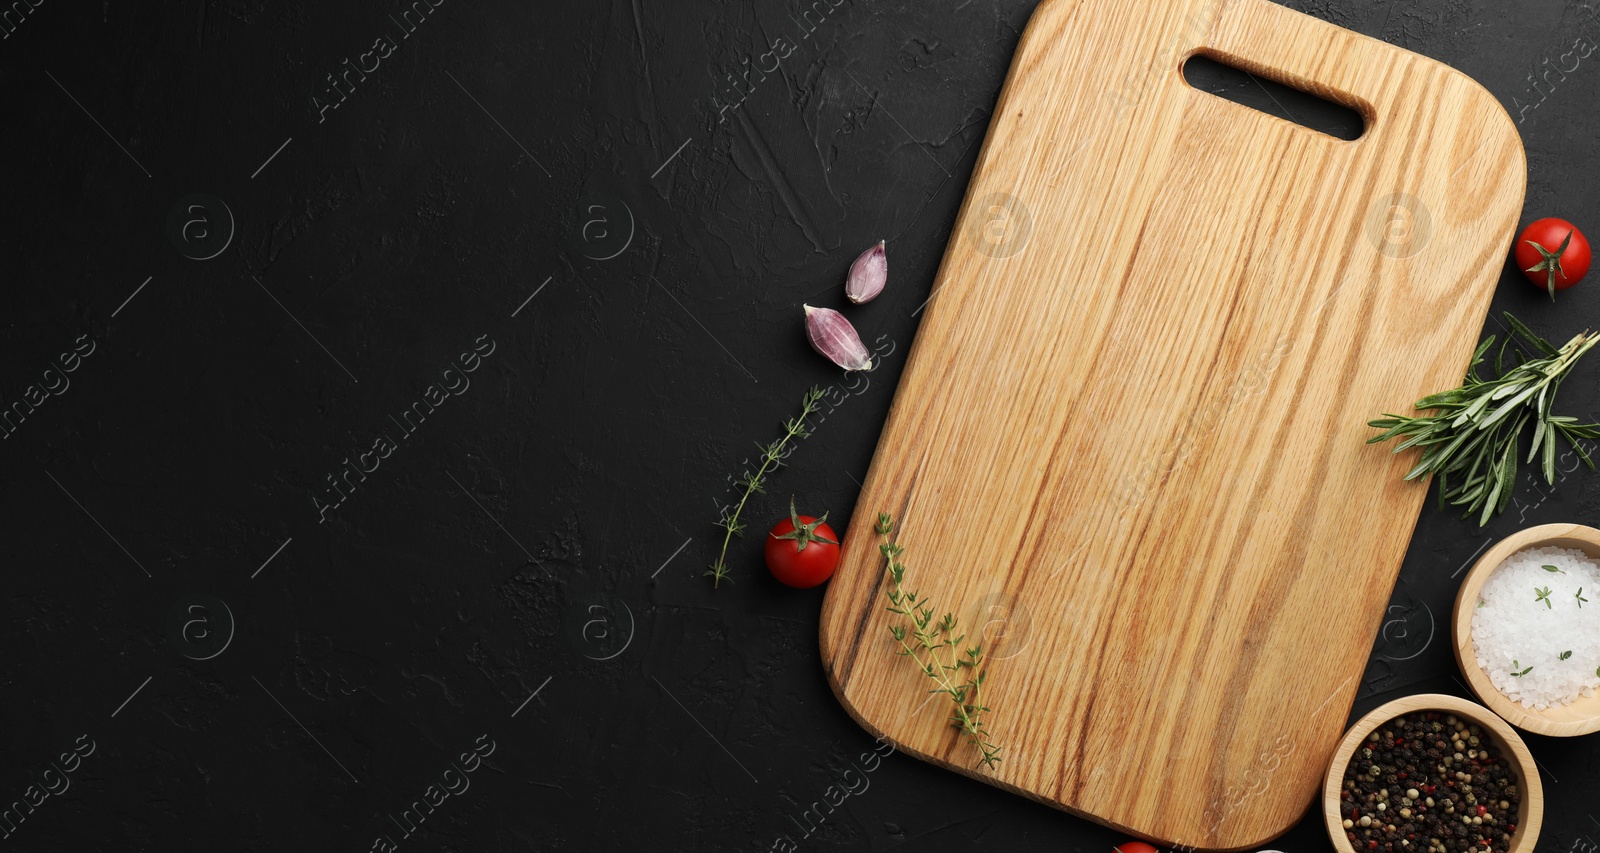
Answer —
1128 443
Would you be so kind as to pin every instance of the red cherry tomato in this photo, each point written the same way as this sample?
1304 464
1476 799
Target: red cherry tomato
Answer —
1553 254
802 551
1133 847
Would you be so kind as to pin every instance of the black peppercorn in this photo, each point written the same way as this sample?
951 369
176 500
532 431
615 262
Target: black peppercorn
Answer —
1419 754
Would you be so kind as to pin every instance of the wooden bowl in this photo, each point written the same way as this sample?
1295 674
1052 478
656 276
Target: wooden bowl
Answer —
1530 810
1578 717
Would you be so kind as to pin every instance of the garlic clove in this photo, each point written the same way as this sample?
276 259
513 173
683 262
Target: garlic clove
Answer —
868 275
833 336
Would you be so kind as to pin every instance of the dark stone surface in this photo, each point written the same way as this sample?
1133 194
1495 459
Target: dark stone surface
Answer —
257 674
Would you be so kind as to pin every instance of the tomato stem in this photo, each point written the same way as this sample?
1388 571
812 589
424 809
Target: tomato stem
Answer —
803 534
1551 263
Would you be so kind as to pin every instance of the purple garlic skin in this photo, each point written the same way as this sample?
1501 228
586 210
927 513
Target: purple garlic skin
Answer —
833 336
868 275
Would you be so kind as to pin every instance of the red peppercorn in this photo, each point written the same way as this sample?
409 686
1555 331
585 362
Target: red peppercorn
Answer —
1372 845
1483 810
1511 827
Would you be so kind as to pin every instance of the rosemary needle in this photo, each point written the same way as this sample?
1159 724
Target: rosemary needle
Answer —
1470 440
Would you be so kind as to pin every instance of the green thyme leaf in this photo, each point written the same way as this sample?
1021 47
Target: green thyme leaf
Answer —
754 483
930 650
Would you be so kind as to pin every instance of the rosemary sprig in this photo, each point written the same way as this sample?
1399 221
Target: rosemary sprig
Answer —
928 640
771 459
1543 594
1470 441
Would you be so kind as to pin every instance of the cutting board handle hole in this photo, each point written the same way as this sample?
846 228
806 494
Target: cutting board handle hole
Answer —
1210 75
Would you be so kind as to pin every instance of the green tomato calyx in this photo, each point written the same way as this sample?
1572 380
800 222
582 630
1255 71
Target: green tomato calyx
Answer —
803 534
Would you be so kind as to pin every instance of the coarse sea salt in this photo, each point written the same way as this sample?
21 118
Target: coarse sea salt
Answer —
1528 617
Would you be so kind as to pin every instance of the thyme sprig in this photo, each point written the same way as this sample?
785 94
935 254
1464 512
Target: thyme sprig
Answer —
771 458
1470 441
930 643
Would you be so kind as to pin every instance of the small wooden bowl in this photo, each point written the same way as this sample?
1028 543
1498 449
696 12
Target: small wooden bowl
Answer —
1530 809
1578 717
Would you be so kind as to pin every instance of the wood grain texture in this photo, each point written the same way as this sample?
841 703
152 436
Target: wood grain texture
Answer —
1131 426
1581 716
1530 805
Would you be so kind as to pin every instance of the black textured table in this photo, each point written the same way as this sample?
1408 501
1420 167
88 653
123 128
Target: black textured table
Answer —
375 372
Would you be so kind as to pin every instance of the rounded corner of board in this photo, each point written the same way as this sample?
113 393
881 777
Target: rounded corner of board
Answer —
1044 15
856 713
1273 833
1499 119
